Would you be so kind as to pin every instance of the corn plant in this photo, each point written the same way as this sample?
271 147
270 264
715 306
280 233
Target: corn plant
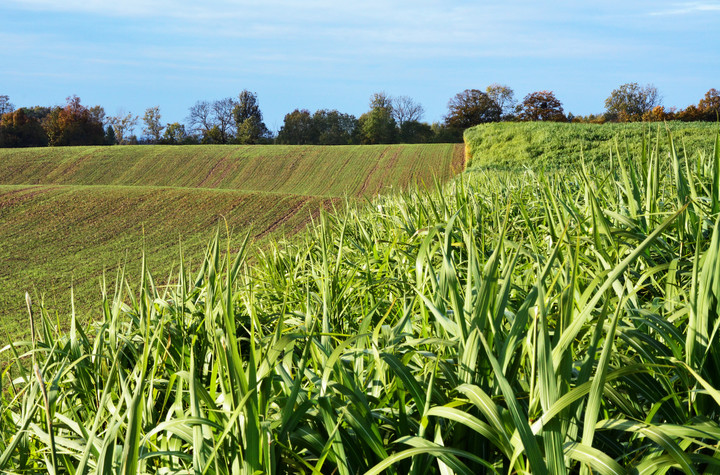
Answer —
506 322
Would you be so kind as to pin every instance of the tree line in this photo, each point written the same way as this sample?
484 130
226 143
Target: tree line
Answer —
388 120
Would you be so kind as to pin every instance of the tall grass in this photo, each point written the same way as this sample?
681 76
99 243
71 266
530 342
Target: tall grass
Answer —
507 322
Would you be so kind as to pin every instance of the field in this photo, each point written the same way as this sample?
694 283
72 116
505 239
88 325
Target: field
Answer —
70 215
548 321
557 145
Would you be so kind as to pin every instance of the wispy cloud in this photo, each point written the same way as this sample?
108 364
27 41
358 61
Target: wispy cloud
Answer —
687 8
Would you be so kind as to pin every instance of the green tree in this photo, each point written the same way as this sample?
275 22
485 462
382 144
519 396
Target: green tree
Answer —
413 131
378 125
153 127
110 136
542 105
298 129
335 128
175 134
471 107
631 101
249 119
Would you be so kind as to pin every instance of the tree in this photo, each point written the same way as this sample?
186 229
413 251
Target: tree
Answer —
200 117
471 107
73 125
335 128
110 136
223 115
175 134
630 101
709 106
504 97
542 105
249 119
380 100
298 129
17 129
378 125
5 105
405 109
98 114
153 128
413 131
123 124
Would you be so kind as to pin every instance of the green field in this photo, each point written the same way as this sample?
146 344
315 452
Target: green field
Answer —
68 215
508 321
557 145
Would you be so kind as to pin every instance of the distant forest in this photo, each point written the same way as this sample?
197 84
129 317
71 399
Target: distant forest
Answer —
388 120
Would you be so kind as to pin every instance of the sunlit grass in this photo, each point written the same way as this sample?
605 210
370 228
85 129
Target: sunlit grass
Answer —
520 322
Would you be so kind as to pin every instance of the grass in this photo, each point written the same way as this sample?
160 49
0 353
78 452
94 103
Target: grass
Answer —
323 171
69 216
558 145
508 322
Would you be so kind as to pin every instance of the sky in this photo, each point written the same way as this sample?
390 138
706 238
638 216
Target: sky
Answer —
129 55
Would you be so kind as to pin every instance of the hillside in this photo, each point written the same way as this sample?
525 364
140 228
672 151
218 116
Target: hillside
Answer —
69 214
328 171
507 321
553 144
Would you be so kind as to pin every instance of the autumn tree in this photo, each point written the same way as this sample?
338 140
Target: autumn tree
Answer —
541 105
504 97
73 124
405 109
631 101
17 129
153 127
709 106
248 118
123 125
471 107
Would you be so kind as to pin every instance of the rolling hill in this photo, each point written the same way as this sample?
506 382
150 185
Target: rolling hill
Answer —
72 216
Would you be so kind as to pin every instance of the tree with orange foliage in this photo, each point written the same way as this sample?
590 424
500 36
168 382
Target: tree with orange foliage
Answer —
709 106
73 124
17 129
656 114
542 105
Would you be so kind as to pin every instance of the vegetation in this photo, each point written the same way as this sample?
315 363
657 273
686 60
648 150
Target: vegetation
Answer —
71 215
509 322
558 145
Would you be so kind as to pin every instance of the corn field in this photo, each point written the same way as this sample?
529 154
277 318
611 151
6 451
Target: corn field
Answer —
507 322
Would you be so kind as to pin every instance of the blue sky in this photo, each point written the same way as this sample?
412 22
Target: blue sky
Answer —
128 55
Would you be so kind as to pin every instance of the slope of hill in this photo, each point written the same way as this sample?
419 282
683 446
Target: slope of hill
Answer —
553 144
305 170
68 215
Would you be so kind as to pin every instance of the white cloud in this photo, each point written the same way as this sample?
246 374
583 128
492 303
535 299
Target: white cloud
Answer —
687 8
